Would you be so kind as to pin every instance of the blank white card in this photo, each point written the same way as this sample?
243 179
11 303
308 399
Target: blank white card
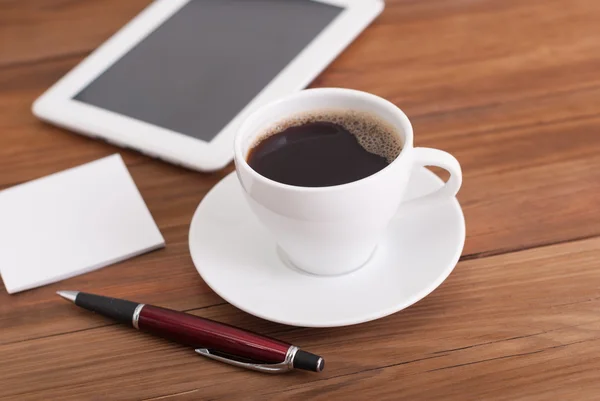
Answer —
72 222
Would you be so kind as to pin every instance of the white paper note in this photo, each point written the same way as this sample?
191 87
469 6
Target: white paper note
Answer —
72 222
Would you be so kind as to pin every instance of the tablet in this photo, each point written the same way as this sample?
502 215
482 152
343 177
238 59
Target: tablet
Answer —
176 82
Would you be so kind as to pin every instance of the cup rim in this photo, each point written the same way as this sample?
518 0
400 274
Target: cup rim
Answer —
240 158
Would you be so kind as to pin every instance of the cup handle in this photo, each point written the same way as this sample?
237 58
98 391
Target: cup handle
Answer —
438 158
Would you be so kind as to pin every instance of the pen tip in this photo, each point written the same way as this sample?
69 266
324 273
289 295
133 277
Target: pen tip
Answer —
68 295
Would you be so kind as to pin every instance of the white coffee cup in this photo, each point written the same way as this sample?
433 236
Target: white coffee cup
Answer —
335 230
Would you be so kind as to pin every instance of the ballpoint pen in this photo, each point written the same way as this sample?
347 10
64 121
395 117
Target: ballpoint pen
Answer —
214 340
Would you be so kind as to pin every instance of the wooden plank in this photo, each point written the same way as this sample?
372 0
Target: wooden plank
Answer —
34 30
563 372
476 31
480 336
440 56
425 56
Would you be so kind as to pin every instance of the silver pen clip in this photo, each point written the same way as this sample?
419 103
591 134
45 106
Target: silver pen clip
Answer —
282 367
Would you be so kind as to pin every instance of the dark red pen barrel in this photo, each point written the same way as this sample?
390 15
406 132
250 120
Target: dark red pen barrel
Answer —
203 333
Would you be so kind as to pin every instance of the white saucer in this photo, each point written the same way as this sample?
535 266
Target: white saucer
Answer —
238 259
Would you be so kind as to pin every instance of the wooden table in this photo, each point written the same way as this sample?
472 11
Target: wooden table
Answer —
511 87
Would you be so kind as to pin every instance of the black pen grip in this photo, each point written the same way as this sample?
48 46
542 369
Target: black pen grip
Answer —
117 309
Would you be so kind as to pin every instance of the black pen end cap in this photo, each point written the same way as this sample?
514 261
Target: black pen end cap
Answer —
307 361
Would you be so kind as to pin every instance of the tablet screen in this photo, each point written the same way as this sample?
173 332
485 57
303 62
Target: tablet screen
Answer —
204 64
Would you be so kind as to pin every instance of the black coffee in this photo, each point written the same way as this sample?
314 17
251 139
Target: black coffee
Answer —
325 149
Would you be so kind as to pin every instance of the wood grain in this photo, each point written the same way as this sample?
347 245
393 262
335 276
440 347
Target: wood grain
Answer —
510 87
34 30
487 333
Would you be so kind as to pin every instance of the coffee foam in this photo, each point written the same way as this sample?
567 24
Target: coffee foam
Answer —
372 133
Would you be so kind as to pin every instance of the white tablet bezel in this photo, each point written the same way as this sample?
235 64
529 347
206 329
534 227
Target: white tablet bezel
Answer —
57 106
